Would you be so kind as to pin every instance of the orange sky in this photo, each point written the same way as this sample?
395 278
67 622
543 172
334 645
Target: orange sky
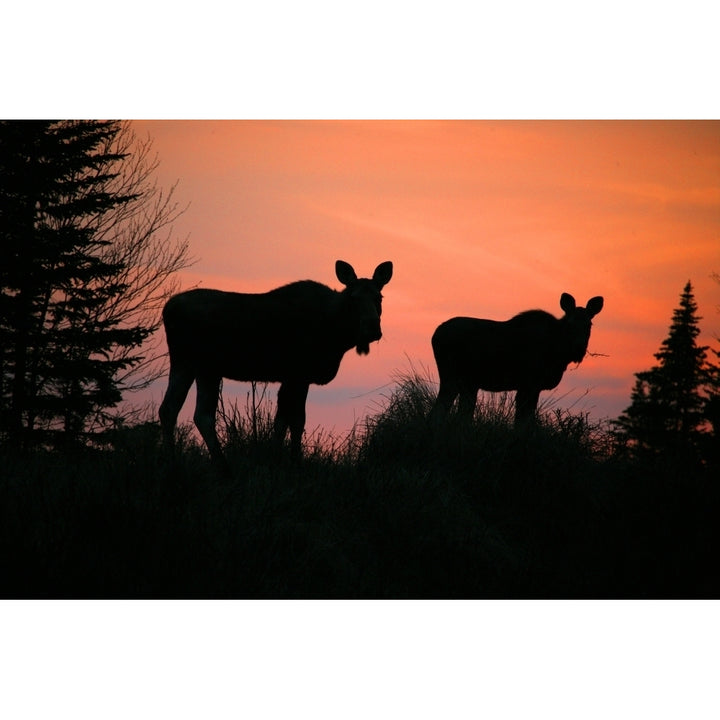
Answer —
481 218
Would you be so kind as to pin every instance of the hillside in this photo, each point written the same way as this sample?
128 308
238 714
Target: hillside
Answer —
400 509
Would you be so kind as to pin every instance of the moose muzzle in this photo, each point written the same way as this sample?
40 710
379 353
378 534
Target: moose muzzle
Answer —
369 333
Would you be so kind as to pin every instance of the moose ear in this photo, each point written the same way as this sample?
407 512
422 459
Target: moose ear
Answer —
567 302
382 274
345 273
594 306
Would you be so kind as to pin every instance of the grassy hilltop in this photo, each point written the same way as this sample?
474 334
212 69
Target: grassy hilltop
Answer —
400 509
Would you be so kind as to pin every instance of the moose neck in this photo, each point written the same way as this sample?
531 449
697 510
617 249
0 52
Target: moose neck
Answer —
572 349
349 327
345 331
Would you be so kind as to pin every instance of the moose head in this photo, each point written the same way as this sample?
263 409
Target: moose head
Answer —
364 302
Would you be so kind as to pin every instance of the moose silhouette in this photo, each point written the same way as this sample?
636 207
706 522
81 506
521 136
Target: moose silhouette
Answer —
528 353
295 335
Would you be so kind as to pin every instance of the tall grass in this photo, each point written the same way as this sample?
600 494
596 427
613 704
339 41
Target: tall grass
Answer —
400 508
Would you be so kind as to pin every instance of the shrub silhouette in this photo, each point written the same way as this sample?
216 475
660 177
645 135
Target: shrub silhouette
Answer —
402 509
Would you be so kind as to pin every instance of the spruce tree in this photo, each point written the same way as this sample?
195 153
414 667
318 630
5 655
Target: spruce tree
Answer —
712 404
56 284
667 405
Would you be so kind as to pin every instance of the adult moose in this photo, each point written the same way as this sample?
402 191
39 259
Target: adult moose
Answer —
295 335
528 353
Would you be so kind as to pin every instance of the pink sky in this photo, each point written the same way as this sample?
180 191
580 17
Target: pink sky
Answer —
480 218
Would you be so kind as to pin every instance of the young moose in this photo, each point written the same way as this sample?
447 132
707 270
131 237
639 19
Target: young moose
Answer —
295 335
528 353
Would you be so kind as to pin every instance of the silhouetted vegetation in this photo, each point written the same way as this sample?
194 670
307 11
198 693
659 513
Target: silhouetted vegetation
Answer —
84 262
400 509
712 401
673 405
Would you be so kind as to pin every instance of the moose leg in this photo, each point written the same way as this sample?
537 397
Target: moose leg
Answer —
446 397
297 418
467 402
179 383
208 390
281 422
291 414
526 401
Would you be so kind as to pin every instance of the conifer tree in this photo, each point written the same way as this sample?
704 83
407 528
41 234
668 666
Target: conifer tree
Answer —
712 404
62 343
667 405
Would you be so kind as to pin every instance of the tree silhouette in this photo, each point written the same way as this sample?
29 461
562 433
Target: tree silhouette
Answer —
712 404
70 194
667 408
138 238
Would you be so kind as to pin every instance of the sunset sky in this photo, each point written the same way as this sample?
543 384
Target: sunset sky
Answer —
480 218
